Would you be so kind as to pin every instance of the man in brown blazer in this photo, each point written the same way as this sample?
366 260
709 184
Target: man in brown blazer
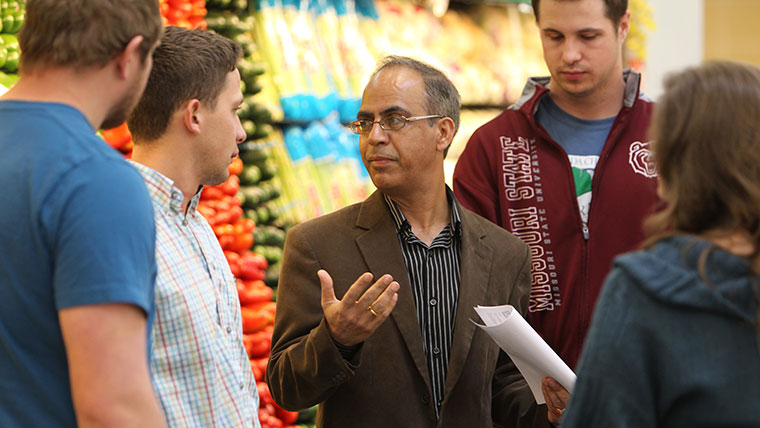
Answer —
402 351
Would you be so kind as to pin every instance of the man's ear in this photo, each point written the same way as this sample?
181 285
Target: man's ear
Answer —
191 117
624 26
125 58
445 133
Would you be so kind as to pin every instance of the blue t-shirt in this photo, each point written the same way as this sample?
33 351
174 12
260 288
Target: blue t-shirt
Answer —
582 140
76 228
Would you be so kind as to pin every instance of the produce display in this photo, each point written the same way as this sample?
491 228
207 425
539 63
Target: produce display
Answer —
11 19
245 211
321 52
183 13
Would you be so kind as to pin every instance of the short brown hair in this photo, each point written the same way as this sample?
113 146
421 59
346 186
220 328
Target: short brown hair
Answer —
188 64
615 9
441 96
85 33
707 152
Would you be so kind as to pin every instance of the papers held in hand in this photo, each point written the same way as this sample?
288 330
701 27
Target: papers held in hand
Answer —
532 356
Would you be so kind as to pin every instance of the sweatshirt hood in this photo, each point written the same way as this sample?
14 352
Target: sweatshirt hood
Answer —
538 85
669 273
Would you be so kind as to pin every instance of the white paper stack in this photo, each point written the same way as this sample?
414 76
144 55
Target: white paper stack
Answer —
533 357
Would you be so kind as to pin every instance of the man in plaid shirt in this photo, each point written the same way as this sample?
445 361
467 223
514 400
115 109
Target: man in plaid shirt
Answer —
186 131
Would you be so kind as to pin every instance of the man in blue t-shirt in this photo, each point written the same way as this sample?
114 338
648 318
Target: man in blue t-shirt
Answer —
76 226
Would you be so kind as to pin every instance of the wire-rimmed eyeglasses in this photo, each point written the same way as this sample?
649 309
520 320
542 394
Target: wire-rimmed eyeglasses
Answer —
392 122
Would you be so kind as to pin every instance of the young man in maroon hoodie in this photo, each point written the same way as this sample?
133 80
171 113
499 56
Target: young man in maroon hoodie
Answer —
568 168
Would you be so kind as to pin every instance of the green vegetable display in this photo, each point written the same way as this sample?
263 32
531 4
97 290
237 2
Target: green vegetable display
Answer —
11 19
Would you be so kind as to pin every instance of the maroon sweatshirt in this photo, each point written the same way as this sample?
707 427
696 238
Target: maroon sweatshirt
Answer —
514 174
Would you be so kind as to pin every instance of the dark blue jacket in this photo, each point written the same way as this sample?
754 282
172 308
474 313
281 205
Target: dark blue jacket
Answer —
667 349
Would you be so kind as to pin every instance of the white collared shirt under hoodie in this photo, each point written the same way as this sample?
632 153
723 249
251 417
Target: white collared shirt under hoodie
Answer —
199 366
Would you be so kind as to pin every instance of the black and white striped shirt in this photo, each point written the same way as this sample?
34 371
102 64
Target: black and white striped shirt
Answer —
434 277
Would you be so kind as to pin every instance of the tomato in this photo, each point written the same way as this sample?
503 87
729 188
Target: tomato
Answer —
117 137
244 225
260 261
224 229
207 212
259 367
226 241
248 225
251 266
254 322
232 257
261 363
253 292
223 205
267 417
254 344
236 212
265 397
236 167
196 16
242 242
224 217
183 6
175 15
234 269
211 203
268 408
256 259
260 347
258 375
232 260
231 186
211 192
287 417
270 307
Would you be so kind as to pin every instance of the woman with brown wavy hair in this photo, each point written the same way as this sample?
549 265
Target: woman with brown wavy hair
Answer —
675 339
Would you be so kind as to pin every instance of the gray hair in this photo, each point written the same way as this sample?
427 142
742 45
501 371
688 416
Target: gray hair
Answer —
441 96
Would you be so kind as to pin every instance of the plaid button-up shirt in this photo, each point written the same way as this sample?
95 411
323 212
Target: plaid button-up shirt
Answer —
200 368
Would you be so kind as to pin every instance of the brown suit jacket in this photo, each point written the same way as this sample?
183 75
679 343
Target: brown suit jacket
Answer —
386 384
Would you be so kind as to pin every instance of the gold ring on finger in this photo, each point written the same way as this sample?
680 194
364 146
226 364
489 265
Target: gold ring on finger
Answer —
371 310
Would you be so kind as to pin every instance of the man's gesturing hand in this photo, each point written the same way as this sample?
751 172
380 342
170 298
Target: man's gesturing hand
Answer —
355 317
